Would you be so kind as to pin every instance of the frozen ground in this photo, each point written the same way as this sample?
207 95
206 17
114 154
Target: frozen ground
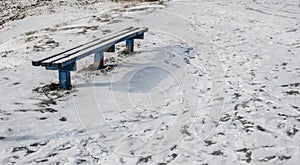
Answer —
214 82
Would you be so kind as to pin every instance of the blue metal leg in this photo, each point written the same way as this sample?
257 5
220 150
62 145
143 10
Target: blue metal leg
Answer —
98 60
129 45
64 79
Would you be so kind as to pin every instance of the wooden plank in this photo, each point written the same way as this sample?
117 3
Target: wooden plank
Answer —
103 39
73 50
99 47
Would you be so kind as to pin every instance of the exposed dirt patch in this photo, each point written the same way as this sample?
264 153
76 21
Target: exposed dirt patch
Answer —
4 115
46 110
218 153
247 153
144 159
18 9
292 92
63 119
53 91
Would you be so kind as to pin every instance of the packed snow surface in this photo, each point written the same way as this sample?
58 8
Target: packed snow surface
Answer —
213 82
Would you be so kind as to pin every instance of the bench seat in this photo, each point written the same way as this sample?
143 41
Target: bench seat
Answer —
65 61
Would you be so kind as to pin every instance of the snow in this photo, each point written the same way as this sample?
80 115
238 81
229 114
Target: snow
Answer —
213 82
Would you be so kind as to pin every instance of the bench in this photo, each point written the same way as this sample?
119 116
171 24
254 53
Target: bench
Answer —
65 61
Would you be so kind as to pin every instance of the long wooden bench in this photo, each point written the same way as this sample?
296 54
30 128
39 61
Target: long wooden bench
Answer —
65 61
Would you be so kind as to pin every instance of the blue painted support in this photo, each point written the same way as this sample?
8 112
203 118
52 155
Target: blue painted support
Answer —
141 36
64 79
64 75
129 45
98 60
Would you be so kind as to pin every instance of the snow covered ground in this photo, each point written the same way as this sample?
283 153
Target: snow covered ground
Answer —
213 82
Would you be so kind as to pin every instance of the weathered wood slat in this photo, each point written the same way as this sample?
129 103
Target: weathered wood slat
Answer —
98 47
71 51
91 44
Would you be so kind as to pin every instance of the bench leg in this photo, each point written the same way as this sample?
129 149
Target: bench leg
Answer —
129 45
98 60
64 79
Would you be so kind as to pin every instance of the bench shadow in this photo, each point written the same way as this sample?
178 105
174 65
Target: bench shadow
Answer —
85 85
143 78
140 80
